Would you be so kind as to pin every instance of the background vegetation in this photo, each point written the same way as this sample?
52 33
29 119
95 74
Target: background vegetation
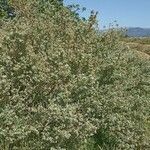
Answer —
65 85
141 45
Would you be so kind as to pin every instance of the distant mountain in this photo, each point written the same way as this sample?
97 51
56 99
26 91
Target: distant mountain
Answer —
138 32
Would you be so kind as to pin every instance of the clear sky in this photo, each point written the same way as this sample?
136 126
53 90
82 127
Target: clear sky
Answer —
128 13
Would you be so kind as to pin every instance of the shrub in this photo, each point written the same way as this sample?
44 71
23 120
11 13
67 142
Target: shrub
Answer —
6 11
64 85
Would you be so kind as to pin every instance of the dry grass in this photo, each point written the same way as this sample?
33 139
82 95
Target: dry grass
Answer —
140 45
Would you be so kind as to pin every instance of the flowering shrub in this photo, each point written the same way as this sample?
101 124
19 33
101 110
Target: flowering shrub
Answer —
64 85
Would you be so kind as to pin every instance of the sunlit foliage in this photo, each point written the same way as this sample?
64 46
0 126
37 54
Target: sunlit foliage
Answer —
65 85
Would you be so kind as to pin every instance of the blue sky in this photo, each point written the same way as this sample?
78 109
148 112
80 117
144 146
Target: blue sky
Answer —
128 13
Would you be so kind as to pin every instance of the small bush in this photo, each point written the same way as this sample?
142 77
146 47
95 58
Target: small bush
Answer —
64 85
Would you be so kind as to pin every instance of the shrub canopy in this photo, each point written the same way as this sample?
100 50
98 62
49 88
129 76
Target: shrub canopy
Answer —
64 85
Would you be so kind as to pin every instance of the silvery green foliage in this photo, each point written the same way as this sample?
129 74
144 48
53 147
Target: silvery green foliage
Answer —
6 11
63 85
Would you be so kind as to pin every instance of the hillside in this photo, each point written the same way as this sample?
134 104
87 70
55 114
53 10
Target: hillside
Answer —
139 44
138 32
